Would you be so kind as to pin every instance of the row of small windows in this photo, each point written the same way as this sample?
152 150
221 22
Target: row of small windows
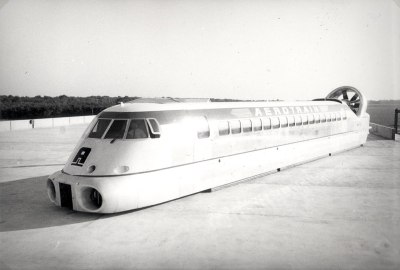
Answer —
253 125
145 128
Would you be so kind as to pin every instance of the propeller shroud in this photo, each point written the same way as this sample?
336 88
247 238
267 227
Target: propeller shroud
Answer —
352 97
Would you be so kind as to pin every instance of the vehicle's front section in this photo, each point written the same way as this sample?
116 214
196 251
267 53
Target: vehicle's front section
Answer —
99 175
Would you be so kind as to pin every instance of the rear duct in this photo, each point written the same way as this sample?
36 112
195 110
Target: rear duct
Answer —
352 97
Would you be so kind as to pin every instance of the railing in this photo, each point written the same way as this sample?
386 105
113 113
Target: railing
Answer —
10 125
396 122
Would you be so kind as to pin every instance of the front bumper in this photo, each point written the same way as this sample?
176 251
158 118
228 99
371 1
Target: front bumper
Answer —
91 194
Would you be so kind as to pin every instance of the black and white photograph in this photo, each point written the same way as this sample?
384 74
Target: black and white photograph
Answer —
199 134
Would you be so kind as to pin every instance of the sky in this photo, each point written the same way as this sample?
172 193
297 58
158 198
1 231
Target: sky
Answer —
273 49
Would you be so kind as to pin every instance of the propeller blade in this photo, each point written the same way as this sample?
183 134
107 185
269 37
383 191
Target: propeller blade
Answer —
345 95
357 105
354 98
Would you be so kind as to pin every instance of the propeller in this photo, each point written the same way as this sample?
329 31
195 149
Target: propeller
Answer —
356 103
345 97
354 98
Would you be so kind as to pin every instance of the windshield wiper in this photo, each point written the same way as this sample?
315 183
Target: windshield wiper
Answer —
113 140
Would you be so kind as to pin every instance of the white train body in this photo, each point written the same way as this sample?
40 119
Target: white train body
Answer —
185 148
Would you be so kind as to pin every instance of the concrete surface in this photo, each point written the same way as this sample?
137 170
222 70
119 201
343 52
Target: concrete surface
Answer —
36 152
340 212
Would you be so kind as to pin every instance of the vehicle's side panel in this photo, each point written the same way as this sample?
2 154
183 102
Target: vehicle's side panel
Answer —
141 190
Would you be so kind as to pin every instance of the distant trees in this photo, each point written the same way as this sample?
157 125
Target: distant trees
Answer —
15 107
384 102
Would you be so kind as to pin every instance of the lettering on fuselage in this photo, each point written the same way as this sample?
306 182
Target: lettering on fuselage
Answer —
276 111
81 156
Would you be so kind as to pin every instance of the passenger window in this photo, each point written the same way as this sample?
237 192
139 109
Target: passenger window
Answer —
343 115
275 122
246 125
99 129
284 121
298 120
328 117
266 123
311 119
257 125
137 129
223 128
316 117
291 120
203 129
304 119
117 130
235 126
338 118
154 128
322 117
333 116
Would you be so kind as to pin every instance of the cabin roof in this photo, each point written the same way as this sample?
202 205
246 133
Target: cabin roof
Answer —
146 107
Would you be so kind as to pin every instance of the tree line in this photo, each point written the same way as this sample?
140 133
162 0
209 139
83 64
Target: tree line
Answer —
16 107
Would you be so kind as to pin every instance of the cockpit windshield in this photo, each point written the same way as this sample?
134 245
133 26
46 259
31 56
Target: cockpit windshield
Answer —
99 129
125 129
137 130
117 130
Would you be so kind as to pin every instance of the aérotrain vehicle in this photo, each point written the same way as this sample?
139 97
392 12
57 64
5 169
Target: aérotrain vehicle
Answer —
140 154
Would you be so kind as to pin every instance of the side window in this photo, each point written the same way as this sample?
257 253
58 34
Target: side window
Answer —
203 129
343 115
117 130
137 129
311 119
223 128
275 122
328 117
257 125
235 126
304 119
266 123
154 128
316 117
333 116
298 120
99 129
322 117
338 117
246 125
283 120
291 120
